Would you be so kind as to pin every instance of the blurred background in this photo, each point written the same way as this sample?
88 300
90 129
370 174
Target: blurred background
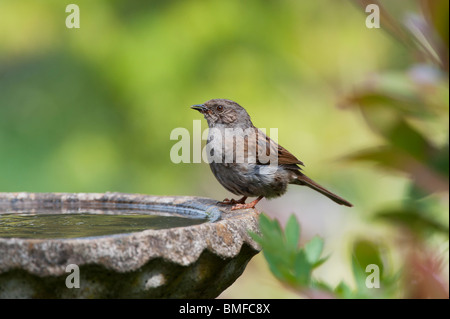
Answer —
366 109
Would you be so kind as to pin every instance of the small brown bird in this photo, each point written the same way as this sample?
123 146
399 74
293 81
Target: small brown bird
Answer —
247 162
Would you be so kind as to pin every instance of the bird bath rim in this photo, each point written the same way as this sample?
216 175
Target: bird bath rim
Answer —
223 235
30 204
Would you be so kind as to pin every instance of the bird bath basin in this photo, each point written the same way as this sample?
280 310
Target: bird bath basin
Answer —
114 245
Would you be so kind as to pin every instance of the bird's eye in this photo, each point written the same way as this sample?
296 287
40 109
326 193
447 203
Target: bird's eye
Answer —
219 107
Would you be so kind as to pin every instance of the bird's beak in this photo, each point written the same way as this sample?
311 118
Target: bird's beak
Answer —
199 107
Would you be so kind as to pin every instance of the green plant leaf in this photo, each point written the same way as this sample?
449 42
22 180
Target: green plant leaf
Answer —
406 138
394 159
440 162
413 219
313 249
292 233
365 253
270 229
274 247
302 268
343 291
275 264
437 11
320 261
256 237
358 273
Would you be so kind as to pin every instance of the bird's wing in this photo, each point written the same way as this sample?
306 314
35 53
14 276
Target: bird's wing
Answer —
285 157
267 150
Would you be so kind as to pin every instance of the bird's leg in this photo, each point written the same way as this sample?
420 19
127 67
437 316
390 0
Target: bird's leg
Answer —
248 205
232 201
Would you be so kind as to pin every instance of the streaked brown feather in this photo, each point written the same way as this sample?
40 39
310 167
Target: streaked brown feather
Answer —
285 157
266 144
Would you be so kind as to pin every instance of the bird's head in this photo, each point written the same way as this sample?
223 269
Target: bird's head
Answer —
225 112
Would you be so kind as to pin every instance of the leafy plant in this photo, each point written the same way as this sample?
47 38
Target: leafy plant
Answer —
288 262
406 109
293 264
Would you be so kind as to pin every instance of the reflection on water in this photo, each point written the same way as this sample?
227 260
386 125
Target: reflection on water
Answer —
74 225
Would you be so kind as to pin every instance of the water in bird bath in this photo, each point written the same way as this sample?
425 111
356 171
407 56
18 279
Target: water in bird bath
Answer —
121 242
86 224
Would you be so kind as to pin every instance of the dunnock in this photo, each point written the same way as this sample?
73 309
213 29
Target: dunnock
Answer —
247 162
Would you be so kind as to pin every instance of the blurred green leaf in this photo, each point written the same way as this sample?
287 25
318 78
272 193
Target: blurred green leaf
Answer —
436 12
390 24
275 262
274 248
415 33
412 219
288 262
359 274
295 268
270 228
292 233
385 156
397 98
440 162
365 253
406 138
302 268
393 159
321 261
256 237
343 291
384 114
313 249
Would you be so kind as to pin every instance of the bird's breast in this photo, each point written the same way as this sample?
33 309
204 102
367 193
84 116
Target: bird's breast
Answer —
231 145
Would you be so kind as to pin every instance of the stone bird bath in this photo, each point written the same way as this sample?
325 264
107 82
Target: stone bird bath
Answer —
203 251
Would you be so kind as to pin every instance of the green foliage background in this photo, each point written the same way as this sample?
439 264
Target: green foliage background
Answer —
91 110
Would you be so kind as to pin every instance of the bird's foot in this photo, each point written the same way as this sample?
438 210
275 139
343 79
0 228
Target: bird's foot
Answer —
227 201
248 205
232 201
243 206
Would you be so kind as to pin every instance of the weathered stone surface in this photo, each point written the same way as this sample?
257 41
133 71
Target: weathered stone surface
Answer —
198 261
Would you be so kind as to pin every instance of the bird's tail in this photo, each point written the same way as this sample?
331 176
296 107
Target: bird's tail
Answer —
305 180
